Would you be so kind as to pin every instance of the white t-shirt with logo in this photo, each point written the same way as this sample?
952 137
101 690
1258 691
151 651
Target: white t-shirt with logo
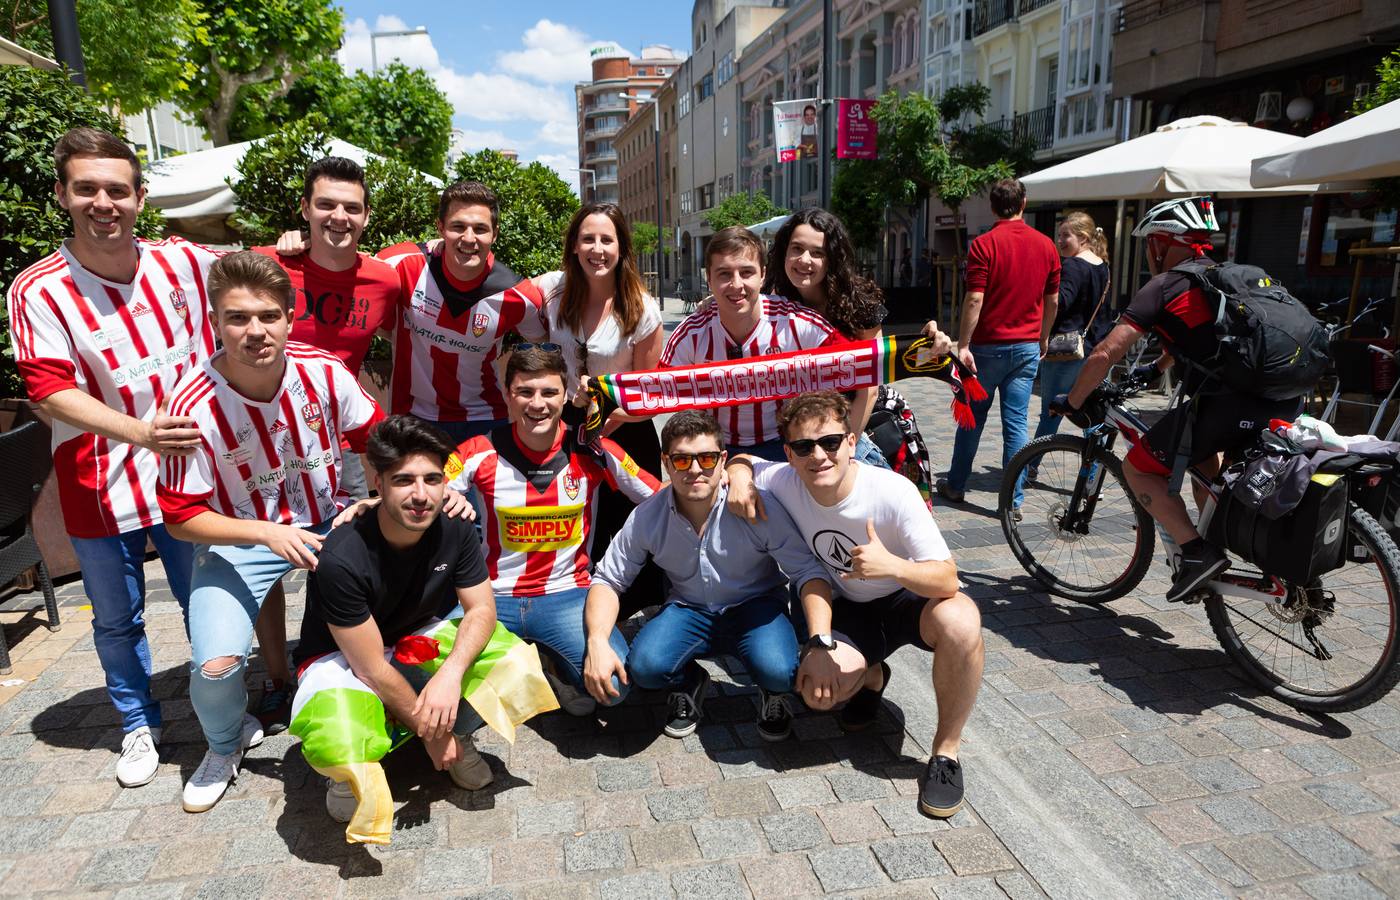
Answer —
902 521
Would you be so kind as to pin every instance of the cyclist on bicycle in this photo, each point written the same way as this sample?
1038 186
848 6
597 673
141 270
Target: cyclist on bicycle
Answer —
1172 305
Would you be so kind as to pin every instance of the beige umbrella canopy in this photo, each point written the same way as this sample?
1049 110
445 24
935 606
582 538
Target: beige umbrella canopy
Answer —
1360 149
1197 155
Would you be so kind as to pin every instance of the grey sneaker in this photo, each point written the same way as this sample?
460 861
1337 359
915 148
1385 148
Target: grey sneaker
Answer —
470 772
340 800
140 759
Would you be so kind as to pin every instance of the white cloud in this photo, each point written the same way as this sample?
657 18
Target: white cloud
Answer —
531 86
553 53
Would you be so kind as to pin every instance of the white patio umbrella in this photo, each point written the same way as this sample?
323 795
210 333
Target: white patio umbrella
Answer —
769 227
1197 155
1360 149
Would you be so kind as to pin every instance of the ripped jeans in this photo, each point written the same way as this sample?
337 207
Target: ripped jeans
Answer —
227 589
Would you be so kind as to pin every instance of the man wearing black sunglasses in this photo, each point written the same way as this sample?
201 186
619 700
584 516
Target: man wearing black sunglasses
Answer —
728 588
896 582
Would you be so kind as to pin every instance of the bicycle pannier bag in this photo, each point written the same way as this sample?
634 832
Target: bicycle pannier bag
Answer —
1280 513
1270 345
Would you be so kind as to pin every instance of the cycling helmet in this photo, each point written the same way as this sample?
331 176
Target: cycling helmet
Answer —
1178 218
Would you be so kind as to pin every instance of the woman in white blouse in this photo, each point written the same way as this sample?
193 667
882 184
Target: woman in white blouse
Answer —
606 322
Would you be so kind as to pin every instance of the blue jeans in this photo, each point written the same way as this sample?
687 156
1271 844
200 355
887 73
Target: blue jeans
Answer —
226 592
554 622
1008 370
869 453
758 631
114 578
468 719
1055 378
771 450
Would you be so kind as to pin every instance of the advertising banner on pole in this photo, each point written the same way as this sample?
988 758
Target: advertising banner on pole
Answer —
855 130
796 129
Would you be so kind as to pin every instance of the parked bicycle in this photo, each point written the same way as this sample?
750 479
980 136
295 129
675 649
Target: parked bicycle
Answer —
1327 645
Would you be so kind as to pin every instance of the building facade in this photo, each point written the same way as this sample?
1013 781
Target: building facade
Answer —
707 117
642 144
621 84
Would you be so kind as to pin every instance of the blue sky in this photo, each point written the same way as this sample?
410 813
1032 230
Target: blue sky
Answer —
509 68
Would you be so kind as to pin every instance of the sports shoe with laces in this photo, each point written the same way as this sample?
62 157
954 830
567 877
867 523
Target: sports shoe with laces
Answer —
340 800
942 791
946 491
774 716
139 759
863 709
683 707
571 700
218 770
1200 562
274 708
470 772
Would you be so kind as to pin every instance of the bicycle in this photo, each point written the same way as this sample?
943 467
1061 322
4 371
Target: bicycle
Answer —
1326 646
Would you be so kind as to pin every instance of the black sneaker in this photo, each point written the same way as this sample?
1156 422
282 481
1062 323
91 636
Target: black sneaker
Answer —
1200 562
942 792
774 716
683 707
863 709
274 709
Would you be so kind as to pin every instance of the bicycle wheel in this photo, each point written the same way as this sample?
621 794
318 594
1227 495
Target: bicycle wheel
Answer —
1330 646
1091 561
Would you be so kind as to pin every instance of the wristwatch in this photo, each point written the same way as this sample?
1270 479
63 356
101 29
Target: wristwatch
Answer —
820 642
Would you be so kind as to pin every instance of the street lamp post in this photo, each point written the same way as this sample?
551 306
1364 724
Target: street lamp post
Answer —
375 35
656 146
592 179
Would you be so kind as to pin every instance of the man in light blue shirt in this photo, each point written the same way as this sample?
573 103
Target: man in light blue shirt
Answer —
729 590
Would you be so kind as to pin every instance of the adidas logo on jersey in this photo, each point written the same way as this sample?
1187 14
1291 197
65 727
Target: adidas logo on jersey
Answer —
140 309
277 427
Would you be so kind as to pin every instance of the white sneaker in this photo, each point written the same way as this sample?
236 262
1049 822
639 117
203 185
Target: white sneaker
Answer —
218 770
139 759
470 772
252 731
340 800
572 700
209 782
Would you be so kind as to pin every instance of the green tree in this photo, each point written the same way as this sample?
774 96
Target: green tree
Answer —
403 204
644 239
134 51
536 205
270 177
254 42
742 209
1386 90
920 158
396 111
37 108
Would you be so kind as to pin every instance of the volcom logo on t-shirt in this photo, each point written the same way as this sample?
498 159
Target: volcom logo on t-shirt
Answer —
833 548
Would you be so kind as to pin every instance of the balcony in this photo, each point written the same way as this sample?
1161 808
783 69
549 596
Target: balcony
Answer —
597 156
1037 126
1164 44
603 132
607 104
989 14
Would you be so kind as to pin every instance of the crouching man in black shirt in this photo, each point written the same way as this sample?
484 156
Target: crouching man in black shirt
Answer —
379 579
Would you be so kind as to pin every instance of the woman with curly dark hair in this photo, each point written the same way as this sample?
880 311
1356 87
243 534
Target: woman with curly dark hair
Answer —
812 261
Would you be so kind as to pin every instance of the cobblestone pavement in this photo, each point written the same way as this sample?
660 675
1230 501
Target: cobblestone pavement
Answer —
1113 753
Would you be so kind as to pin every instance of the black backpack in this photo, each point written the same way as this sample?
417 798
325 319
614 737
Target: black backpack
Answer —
1270 346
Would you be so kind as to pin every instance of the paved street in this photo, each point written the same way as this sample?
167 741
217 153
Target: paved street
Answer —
1113 753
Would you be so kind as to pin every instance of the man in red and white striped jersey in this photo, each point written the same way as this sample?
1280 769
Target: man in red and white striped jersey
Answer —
102 328
742 322
459 303
539 489
258 494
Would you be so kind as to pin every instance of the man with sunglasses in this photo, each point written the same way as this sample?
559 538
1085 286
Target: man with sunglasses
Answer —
539 489
896 582
728 592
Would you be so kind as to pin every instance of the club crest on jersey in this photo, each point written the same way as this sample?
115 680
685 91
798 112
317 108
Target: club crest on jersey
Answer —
571 486
177 300
479 323
311 412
